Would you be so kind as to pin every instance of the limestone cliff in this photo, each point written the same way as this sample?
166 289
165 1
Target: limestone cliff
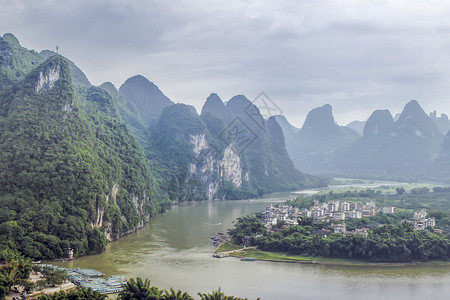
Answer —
211 168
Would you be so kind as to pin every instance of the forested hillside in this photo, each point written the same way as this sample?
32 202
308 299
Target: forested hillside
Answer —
71 174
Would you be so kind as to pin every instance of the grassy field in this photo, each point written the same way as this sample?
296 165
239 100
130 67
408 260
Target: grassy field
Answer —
228 246
283 257
271 255
383 188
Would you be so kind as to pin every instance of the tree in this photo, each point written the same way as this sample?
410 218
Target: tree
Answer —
179 295
28 285
16 268
140 290
4 286
218 295
40 284
56 277
400 190
79 293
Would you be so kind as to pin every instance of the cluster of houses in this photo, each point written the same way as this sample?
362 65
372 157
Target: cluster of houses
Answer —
322 212
336 211
420 220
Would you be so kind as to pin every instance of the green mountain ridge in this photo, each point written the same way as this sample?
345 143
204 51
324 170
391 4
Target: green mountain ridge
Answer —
15 60
146 96
77 75
72 176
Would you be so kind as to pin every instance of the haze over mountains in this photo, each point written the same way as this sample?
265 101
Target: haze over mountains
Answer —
410 148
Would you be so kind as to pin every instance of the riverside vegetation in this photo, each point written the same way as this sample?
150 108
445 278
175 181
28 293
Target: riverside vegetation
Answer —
391 237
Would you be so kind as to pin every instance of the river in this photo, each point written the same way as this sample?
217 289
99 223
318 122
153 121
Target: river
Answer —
174 250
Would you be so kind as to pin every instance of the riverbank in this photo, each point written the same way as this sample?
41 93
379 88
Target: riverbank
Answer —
280 257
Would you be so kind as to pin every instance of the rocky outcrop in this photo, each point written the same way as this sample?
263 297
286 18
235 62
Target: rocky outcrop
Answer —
210 169
231 165
47 78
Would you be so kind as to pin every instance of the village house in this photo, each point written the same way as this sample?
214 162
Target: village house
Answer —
424 223
339 228
421 214
362 231
322 212
420 221
389 210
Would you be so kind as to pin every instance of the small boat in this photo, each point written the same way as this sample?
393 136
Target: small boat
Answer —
248 259
220 255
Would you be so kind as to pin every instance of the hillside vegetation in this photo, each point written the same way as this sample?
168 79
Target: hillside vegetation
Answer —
72 175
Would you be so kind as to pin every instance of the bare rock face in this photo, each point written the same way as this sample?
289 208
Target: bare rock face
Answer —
231 165
47 78
210 170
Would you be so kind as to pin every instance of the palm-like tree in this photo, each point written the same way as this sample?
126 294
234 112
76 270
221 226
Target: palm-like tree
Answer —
140 290
4 285
218 295
90 294
179 295
80 293
9 275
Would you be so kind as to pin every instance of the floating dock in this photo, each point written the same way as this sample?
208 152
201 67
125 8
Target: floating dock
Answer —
90 278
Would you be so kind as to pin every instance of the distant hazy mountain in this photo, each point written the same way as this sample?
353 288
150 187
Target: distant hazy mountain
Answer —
414 121
442 122
357 126
380 123
285 125
404 148
407 148
290 135
321 132
146 96
309 148
440 169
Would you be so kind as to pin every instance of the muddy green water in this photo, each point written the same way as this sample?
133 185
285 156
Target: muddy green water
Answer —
174 250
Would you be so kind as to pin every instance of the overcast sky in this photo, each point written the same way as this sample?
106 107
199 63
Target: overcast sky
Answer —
357 55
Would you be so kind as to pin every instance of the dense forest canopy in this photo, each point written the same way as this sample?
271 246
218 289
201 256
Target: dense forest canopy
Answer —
72 175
